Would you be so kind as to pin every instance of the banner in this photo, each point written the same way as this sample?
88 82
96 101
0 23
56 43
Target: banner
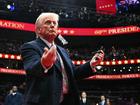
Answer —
12 71
104 77
73 31
17 25
116 76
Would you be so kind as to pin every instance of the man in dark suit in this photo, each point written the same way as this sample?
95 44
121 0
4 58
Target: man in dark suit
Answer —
50 72
103 100
83 99
14 97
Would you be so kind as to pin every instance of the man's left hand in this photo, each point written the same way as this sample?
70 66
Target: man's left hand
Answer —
97 58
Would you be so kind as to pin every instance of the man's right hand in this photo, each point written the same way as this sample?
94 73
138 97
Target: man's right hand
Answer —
49 57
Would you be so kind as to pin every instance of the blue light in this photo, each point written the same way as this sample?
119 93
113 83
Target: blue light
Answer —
10 7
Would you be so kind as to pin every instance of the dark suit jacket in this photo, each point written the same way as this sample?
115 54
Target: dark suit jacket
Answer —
87 102
100 103
45 88
16 99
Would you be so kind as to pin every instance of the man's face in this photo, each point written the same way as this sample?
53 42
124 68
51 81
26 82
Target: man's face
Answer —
84 95
48 28
102 98
14 88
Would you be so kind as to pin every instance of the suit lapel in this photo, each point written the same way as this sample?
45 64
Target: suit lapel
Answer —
42 44
63 56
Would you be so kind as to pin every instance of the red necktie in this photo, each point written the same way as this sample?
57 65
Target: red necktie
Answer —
65 78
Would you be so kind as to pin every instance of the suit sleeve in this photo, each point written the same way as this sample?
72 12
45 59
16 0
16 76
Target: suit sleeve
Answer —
6 100
83 71
31 60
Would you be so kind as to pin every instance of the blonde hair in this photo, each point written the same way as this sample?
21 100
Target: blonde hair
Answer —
46 14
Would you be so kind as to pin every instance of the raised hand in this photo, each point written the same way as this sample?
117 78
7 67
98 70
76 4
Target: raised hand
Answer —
49 57
97 58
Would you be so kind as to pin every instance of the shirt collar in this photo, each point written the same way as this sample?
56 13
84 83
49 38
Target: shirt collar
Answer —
14 93
46 42
103 101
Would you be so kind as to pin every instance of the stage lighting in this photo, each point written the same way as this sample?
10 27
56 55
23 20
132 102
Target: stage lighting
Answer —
98 67
11 7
